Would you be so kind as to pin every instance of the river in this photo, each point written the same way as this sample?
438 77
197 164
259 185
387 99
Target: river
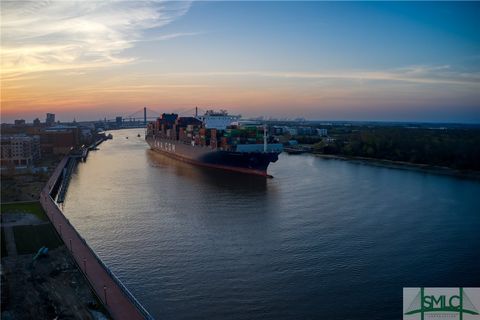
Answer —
323 239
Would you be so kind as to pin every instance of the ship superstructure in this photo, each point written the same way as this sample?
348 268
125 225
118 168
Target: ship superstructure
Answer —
215 139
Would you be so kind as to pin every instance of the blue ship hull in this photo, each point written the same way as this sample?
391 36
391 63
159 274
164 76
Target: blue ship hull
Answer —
245 162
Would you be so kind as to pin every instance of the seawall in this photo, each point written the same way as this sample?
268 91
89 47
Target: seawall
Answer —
117 299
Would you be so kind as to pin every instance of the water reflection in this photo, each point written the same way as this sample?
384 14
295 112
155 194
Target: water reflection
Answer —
221 179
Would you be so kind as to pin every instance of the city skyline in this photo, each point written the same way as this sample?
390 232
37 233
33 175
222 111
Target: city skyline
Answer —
332 61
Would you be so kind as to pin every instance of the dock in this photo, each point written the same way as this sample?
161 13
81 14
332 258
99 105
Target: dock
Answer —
66 176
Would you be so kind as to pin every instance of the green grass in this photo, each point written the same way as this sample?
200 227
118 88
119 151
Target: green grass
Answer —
4 246
27 207
29 239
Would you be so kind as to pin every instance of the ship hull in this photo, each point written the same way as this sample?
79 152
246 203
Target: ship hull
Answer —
245 162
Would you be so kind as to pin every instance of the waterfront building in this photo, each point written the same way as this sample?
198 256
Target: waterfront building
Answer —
20 150
60 139
86 135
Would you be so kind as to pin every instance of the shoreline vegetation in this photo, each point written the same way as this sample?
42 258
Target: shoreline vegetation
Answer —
447 150
446 171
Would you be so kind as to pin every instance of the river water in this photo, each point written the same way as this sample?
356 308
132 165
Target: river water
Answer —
323 239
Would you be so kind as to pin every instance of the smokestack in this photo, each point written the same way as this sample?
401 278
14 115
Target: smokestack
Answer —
145 115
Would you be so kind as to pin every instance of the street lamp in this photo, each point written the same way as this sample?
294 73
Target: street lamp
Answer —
105 294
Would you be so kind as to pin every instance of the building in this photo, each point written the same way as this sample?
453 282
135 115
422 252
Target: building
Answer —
119 122
322 132
277 130
50 120
292 131
19 150
36 122
306 131
60 139
20 122
86 135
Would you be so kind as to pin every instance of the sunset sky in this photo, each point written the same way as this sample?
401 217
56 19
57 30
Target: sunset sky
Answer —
319 60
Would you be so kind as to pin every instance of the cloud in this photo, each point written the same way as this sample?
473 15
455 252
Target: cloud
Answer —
173 36
58 35
413 74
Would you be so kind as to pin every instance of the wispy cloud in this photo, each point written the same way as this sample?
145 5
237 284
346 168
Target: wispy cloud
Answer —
146 88
173 36
443 74
59 35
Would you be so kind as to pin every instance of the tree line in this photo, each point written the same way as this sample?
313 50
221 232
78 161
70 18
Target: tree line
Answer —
455 148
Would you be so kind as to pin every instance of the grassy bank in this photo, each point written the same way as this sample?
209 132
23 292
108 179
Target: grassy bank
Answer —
30 235
29 239
468 174
24 207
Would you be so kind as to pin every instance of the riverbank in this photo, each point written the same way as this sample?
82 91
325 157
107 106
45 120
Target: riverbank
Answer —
474 175
116 298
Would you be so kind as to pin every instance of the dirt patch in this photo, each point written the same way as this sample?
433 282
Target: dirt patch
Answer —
51 287
24 187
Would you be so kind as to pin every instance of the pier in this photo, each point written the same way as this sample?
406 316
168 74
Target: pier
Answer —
66 175
117 299
69 167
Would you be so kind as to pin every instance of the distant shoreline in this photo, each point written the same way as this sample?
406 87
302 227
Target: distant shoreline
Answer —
466 174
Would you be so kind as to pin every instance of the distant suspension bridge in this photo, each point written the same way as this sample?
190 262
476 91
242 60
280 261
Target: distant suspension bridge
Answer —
141 117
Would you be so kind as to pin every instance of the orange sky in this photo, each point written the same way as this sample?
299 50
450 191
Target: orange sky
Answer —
91 60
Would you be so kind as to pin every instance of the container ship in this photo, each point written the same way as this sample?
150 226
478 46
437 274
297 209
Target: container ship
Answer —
216 140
